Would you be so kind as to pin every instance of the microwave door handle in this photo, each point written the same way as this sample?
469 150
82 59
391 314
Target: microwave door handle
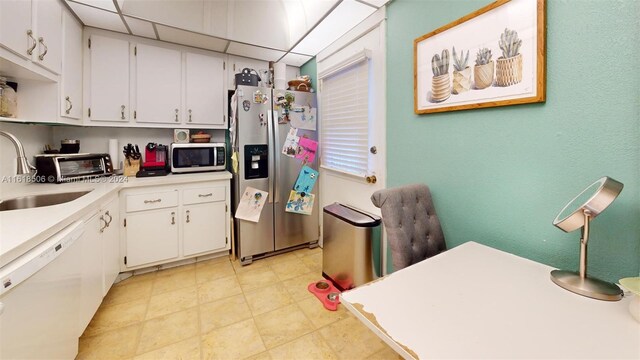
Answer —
271 155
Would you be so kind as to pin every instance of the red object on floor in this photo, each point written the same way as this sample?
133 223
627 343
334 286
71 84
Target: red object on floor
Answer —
325 291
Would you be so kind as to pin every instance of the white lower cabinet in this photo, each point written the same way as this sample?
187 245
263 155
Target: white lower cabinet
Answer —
174 222
151 236
100 254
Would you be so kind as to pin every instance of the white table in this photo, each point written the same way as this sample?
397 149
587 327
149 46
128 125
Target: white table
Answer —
475 302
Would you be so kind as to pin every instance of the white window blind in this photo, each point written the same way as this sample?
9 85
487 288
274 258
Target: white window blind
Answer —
345 119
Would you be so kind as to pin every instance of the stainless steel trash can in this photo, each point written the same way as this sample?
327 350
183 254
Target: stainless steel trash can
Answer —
351 253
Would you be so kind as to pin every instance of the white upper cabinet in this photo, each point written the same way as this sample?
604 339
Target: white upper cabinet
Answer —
108 83
49 34
33 31
15 22
158 85
238 63
204 85
71 93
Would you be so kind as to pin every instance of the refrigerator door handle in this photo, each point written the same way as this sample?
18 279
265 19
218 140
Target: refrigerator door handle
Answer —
273 117
271 156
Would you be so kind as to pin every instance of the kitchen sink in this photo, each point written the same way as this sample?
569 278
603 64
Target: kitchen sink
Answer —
33 201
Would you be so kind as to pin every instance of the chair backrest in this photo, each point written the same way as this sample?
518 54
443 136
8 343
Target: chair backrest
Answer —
410 220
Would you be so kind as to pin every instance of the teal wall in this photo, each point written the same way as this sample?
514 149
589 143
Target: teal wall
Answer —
311 68
499 176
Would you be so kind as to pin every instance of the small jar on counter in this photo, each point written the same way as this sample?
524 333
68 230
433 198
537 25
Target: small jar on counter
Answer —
8 99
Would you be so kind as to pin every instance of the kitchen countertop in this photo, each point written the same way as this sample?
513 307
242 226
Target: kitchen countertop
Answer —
21 230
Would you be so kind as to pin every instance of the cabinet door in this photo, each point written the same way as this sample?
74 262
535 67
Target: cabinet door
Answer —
49 34
71 102
158 84
239 63
91 270
205 228
205 90
110 245
151 236
108 79
15 21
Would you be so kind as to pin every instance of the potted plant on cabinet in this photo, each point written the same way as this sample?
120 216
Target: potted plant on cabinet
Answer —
462 72
509 65
441 83
483 71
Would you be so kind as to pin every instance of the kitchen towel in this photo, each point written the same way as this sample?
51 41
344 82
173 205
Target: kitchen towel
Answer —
114 153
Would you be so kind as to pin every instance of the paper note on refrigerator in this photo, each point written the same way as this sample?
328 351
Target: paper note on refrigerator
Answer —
290 147
306 180
251 204
300 204
304 117
307 150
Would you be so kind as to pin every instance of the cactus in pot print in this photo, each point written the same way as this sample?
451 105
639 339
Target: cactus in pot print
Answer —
509 65
461 72
441 82
483 70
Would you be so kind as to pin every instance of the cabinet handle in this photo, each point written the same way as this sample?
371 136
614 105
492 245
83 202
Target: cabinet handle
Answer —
173 218
176 115
189 115
122 112
46 49
105 224
188 217
35 43
205 195
110 218
68 100
152 201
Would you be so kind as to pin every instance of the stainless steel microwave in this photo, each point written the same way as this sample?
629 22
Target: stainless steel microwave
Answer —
59 168
196 157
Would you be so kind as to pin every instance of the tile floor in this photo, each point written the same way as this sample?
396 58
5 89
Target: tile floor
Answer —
218 309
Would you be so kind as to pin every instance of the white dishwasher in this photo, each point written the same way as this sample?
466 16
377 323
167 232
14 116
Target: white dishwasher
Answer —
40 298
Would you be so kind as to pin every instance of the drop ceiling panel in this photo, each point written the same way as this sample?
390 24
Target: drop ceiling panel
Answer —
254 52
295 59
376 3
98 18
259 22
103 4
140 27
184 14
191 39
347 15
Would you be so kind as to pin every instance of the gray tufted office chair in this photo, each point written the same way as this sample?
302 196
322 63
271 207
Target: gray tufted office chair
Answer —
413 228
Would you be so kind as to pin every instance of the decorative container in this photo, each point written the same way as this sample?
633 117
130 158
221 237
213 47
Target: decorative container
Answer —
509 71
441 88
483 75
462 80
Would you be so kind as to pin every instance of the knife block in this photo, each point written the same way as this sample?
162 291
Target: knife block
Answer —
131 167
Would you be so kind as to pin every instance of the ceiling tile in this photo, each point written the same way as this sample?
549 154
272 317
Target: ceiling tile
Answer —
191 39
347 15
295 59
255 52
140 27
376 3
184 14
98 18
103 4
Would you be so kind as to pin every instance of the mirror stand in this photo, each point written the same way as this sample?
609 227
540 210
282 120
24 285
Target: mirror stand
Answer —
578 282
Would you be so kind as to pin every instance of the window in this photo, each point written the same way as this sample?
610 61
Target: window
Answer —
345 116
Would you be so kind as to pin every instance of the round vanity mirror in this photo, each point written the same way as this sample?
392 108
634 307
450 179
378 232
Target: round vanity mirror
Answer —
595 198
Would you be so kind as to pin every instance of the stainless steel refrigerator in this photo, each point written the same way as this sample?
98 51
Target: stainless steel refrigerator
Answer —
260 138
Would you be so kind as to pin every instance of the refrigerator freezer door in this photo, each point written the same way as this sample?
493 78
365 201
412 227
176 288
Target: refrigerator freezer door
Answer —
293 229
253 143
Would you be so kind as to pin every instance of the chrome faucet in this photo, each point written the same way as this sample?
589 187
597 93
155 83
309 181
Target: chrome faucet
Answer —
24 167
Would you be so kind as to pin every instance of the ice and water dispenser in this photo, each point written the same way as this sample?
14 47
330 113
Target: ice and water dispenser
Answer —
256 161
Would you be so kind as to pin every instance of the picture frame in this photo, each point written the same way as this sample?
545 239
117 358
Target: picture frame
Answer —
504 45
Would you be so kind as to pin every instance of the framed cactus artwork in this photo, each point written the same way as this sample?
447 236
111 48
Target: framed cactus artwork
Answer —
494 56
